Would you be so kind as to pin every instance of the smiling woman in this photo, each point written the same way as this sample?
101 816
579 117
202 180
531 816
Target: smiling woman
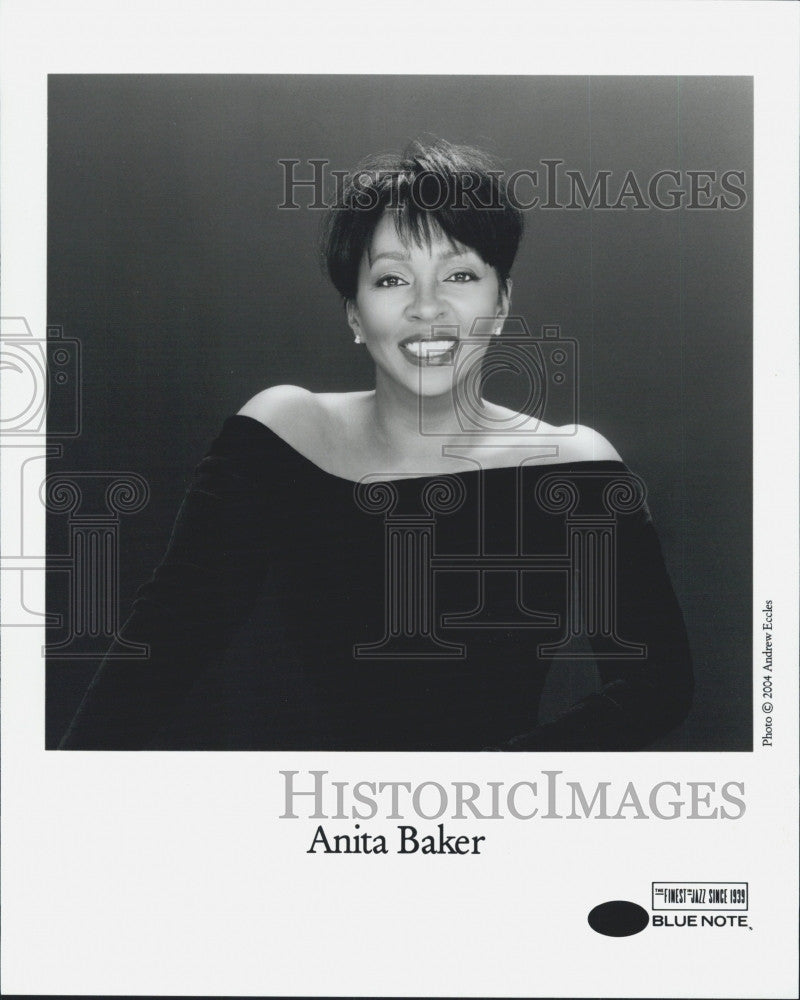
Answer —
399 569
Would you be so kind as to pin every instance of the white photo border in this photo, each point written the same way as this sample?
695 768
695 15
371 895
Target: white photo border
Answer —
172 873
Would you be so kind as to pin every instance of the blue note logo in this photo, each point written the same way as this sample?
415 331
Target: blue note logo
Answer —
618 918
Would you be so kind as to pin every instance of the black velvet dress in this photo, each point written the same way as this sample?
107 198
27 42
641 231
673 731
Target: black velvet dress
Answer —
294 609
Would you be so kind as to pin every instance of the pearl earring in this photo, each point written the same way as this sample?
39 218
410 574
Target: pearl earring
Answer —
357 339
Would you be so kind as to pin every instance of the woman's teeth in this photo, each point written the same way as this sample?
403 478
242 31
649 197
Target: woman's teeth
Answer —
429 348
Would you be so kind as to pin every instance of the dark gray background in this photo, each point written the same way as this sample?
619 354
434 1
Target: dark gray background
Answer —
189 291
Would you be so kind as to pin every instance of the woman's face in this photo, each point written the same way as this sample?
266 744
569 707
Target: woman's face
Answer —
425 313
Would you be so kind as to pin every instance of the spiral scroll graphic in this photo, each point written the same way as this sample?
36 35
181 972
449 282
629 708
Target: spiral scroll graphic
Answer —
375 496
127 495
443 496
556 494
60 495
624 494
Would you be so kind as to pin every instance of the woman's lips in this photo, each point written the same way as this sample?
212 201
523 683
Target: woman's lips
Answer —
422 351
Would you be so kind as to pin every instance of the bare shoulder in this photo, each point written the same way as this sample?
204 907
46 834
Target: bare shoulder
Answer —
317 424
285 409
572 442
589 445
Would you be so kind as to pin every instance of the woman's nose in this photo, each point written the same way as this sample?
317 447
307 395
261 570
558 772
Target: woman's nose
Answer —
426 304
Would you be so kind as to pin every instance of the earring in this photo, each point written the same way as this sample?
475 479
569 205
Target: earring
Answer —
357 339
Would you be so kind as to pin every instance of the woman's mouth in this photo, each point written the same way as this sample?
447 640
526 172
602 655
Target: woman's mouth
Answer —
422 351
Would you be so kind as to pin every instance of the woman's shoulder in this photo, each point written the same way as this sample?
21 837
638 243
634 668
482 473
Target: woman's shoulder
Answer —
278 403
290 411
568 443
579 443
307 420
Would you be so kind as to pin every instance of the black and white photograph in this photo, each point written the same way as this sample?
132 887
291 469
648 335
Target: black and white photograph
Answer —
399 445
478 481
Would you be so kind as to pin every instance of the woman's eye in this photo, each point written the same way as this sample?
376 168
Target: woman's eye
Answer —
389 281
461 277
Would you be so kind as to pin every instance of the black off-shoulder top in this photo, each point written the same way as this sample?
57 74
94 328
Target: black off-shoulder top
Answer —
294 609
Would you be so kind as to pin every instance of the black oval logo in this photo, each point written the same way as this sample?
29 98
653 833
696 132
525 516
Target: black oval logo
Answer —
618 918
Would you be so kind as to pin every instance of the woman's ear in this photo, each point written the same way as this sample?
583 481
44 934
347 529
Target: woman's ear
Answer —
504 298
503 305
353 321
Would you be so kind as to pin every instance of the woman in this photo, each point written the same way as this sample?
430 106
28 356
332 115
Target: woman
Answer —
398 569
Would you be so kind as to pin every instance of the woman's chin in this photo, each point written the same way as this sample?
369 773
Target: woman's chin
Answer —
423 380
433 381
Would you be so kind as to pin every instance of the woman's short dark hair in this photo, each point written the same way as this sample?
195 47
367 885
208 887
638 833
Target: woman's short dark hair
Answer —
460 189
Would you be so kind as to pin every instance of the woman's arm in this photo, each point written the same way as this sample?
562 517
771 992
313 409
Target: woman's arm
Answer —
645 695
190 607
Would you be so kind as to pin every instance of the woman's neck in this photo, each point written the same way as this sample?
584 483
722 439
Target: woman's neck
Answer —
405 424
